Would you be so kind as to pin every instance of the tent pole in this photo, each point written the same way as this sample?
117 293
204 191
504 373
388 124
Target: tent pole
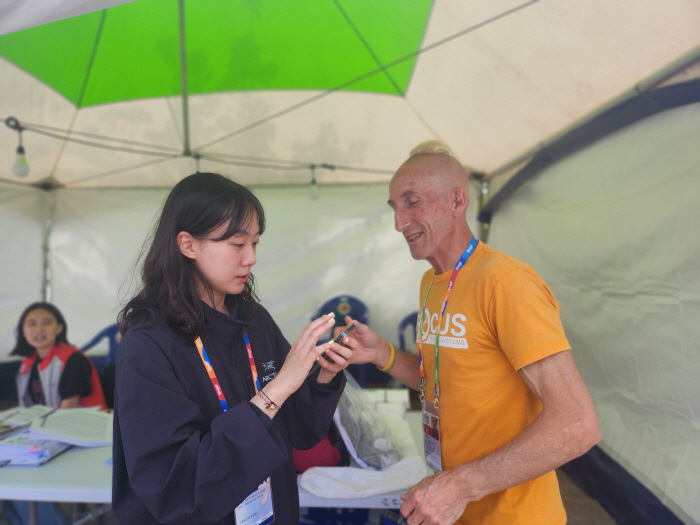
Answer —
648 83
483 197
183 75
45 249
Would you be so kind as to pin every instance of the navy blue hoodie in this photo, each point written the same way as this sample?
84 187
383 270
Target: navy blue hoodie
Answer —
178 459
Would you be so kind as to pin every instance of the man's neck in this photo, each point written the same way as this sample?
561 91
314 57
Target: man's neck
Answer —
449 259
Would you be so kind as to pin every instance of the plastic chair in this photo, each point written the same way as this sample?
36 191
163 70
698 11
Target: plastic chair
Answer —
108 368
412 321
112 333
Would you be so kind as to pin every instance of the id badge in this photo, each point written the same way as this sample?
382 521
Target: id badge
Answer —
257 509
431 436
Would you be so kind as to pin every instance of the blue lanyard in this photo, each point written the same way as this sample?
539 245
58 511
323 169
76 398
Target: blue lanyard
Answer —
462 261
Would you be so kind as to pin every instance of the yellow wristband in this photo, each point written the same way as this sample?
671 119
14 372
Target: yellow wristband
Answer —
392 360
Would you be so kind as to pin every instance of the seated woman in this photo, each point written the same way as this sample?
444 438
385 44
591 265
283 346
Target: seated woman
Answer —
53 372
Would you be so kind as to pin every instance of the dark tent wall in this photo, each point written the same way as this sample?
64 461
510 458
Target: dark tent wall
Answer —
613 228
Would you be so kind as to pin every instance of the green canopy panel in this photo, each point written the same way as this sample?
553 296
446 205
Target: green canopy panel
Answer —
132 51
337 91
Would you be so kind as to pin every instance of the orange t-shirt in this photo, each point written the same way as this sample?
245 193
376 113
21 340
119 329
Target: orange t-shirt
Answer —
501 316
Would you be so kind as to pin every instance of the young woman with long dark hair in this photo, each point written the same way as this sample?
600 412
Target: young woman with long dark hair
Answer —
210 396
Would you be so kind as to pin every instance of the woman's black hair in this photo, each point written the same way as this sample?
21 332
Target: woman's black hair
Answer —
198 205
22 347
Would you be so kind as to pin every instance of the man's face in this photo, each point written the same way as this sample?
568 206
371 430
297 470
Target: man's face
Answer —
421 210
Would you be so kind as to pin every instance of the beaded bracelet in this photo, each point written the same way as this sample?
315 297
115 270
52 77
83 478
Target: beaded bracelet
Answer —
392 360
269 403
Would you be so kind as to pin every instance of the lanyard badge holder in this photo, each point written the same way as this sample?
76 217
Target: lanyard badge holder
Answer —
257 508
431 411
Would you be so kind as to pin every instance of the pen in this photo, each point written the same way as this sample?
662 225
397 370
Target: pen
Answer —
9 416
43 418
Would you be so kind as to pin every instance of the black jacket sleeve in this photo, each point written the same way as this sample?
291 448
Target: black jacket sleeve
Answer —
182 468
308 413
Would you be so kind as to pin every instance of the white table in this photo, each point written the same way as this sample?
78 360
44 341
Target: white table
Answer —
390 500
79 475
83 475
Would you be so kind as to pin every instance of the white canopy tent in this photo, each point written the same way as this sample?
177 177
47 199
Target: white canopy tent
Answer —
610 227
492 79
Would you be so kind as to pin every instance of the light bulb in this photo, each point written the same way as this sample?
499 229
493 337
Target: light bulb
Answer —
314 190
20 167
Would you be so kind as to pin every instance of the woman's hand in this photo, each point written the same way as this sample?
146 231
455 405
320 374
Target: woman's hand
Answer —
341 354
299 361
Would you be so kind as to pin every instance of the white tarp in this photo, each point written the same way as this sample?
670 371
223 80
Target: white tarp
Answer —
23 216
494 80
17 15
344 242
613 230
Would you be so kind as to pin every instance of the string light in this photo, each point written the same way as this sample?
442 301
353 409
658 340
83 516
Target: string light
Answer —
314 187
20 168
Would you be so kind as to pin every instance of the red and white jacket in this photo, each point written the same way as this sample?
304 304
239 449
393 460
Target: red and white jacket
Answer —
50 370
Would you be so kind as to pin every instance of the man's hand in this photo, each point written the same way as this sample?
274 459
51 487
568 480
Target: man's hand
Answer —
369 344
565 428
373 349
437 500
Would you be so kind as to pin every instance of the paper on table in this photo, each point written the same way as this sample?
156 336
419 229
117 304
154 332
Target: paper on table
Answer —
84 427
21 449
19 415
18 418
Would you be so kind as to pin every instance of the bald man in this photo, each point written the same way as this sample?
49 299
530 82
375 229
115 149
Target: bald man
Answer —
510 405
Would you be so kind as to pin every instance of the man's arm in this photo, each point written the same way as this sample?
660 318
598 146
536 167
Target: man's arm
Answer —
565 428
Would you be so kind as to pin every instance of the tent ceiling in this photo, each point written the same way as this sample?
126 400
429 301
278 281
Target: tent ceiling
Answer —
492 79
15 16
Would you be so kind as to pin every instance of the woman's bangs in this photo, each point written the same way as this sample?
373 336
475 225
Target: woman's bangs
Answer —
240 216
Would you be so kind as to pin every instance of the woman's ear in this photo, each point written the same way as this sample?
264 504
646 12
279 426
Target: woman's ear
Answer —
185 242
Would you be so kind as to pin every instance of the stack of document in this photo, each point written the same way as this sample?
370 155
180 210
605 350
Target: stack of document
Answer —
19 418
83 427
10 427
21 449
34 435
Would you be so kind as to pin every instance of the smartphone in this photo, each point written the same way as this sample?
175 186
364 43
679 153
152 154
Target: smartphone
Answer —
342 335
338 339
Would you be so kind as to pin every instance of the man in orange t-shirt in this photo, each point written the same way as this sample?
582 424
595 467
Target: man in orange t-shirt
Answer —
512 404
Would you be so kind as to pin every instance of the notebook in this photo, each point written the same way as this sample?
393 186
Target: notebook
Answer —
21 449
